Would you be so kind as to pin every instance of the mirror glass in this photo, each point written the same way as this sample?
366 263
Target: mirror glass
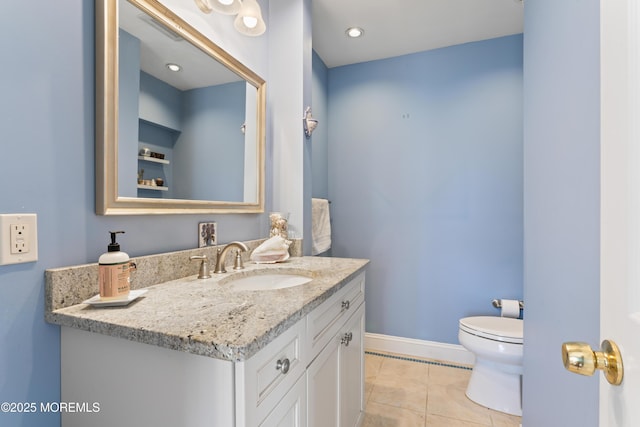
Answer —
185 141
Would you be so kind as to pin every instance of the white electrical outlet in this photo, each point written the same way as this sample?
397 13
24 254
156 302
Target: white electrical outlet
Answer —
18 238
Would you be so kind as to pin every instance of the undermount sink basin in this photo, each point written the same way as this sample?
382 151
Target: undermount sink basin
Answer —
266 282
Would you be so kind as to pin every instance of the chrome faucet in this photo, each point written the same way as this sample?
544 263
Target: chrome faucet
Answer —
222 255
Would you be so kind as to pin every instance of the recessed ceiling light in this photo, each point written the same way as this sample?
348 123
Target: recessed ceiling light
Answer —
354 32
174 67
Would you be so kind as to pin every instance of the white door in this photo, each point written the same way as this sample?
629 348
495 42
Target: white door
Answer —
620 205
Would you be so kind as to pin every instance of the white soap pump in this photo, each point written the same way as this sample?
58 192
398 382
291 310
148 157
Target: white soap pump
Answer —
113 271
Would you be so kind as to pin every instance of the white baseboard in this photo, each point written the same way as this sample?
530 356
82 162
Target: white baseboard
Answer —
418 348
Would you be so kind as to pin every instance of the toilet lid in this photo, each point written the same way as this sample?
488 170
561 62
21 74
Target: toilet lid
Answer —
503 329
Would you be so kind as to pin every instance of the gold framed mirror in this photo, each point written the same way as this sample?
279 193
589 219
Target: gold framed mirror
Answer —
151 165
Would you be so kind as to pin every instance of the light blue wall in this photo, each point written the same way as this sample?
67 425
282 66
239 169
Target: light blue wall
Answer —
204 136
47 167
562 203
320 141
425 178
159 102
158 128
211 140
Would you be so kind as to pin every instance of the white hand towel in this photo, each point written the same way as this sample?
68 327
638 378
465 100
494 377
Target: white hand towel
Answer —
320 226
275 249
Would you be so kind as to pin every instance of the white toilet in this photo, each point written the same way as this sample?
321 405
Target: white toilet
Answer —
496 379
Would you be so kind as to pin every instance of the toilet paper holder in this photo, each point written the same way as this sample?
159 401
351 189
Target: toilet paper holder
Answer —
497 303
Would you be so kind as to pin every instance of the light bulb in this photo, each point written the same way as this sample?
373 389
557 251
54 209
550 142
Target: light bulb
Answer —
226 7
250 21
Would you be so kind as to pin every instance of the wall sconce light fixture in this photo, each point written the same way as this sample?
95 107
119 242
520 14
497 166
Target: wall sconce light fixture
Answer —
308 122
249 20
226 7
249 16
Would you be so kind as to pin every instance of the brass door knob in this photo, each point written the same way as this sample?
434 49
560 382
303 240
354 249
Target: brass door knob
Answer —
578 357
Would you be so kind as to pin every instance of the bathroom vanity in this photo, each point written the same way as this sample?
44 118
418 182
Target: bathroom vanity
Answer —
204 352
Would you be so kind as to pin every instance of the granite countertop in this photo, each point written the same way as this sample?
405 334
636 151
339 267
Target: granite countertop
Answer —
205 317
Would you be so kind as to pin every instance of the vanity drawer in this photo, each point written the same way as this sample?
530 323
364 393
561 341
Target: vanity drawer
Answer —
324 321
264 379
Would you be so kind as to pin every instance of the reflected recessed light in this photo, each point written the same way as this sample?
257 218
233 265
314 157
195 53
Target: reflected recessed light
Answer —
354 32
174 67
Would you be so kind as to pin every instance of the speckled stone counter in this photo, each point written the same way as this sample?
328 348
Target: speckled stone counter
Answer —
207 317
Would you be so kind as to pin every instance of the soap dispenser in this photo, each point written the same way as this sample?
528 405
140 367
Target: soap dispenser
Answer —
113 271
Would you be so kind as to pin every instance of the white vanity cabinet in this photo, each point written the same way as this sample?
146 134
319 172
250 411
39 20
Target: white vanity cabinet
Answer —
137 384
335 377
328 347
309 375
263 380
291 410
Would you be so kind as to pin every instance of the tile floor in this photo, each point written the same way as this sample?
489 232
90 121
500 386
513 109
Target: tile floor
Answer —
405 392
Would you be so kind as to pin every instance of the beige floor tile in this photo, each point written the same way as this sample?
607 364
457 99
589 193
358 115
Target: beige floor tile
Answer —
368 388
438 421
504 420
449 401
395 391
403 369
372 365
379 415
444 375
400 392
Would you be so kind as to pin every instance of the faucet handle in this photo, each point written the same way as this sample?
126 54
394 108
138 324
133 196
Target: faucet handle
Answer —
204 266
238 264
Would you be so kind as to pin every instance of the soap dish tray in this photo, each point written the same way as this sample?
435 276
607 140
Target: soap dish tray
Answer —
133 295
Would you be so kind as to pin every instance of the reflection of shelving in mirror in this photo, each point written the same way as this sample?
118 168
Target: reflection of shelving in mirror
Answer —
152 187
153 160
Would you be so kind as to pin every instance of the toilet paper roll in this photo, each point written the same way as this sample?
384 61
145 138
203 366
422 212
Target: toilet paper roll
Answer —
510 308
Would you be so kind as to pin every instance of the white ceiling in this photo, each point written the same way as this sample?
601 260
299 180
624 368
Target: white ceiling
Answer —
159 46
400 27
392 28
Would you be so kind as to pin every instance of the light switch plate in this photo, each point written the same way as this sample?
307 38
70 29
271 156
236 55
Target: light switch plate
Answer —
207 234
18 238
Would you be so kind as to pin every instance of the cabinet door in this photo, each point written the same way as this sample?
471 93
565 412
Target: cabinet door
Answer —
352 370
290 411
335 380
323 387
328 319
263 379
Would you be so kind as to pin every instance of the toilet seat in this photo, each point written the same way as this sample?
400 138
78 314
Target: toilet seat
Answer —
503 329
